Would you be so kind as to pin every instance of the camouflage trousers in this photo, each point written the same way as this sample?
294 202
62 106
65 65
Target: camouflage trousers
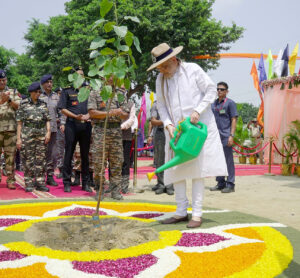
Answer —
51 154
60 147
77 158
33 155
8 141
113 153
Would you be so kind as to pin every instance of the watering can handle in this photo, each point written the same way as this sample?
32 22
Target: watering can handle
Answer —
173 139
199 123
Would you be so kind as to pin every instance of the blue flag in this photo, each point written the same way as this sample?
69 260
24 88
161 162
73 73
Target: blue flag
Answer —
262 71
285 58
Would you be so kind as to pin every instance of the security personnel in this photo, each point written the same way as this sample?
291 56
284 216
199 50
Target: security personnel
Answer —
159 141
9 103
114 149
51 99
225 112
32 136
78 129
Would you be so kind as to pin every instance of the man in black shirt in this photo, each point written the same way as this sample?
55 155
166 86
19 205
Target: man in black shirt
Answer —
78 129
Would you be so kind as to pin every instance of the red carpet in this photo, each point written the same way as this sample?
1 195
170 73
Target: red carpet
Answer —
57 191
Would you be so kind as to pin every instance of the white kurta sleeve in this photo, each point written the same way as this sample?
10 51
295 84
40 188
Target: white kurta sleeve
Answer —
207 87
161 103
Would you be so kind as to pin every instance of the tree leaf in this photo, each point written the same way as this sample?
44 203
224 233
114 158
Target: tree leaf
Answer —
67 69
110 40
71 77
132 18
105 7
98 22
127 83
119 73
121 31
97 43
121 98
93 70
129 38
137 44
78 80
83 94
94 54
107 51
100 61
123 47
96 84
109 26
106 92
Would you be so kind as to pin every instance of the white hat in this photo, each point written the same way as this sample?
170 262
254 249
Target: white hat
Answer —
162 53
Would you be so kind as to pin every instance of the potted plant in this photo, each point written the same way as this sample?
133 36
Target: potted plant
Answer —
290 144
296 136
241 136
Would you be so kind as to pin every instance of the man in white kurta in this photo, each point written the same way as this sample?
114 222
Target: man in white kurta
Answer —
183 90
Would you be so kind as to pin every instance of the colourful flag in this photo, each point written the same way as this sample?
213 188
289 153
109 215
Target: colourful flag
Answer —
254 74
152 98
270 62
285 58
292 61
142 115
278 64
262 71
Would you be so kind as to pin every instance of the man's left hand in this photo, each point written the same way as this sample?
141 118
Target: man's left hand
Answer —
195 117
4 97
230 141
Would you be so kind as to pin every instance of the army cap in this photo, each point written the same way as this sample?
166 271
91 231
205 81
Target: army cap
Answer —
35 86
45 78
2 73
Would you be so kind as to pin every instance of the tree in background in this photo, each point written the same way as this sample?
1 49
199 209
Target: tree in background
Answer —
247 111
65 40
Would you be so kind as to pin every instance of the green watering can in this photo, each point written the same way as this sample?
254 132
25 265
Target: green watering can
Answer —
187 143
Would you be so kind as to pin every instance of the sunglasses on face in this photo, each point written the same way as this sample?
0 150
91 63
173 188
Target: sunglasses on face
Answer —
221 89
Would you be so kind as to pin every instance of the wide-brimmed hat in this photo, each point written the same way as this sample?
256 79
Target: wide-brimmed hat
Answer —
162 53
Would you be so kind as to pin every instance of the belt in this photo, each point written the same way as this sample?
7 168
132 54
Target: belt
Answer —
34 125
109 124
75 120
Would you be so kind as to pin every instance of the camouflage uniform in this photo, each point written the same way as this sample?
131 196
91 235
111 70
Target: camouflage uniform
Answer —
33 152
8 133
60 141
51 100
114 147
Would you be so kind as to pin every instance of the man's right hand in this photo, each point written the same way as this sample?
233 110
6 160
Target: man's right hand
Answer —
171 130
62 128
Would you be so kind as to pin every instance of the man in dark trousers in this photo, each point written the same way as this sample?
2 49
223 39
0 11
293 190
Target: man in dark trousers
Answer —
226 115
77 129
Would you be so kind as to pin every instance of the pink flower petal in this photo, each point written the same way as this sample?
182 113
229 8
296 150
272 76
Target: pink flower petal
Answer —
199 239
81 211
147 215
5 222
10 256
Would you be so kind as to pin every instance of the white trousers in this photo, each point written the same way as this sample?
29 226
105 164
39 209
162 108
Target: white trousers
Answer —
182 200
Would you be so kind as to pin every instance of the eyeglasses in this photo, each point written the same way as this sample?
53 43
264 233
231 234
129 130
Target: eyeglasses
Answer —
221 89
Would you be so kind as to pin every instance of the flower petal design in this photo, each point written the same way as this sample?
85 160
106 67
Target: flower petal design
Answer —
10 256
147 215
5 222
122 268
199 239
81 211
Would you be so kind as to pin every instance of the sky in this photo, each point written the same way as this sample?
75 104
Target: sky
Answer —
269 24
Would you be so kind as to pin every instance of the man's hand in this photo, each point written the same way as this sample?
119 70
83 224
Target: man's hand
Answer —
115 112
4 97
85 117
149 140
47 137
19 144
195 117
171 130
230 141
62 128
79 117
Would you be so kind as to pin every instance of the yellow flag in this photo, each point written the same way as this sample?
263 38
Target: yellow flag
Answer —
292 60
152 98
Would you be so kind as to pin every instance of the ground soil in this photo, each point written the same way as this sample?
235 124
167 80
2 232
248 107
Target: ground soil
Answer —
79 234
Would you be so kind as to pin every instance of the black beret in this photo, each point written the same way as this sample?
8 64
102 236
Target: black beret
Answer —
58 89
35 86
45 78
2 73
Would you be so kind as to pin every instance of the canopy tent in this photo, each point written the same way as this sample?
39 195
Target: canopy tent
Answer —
235 55
281 107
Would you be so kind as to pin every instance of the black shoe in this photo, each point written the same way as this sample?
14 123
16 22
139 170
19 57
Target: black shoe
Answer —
50 181
67 188
155 187
227 189
162 189
85 187
77 179
170 189
29 189
217 188
116 195
42 188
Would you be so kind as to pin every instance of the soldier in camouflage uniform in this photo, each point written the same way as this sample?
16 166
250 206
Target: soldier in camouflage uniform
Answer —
9 103
114 148
33 134
51 99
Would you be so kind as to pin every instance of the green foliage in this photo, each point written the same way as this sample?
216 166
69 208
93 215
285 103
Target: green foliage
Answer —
66 39
247 111
292 140
242 133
